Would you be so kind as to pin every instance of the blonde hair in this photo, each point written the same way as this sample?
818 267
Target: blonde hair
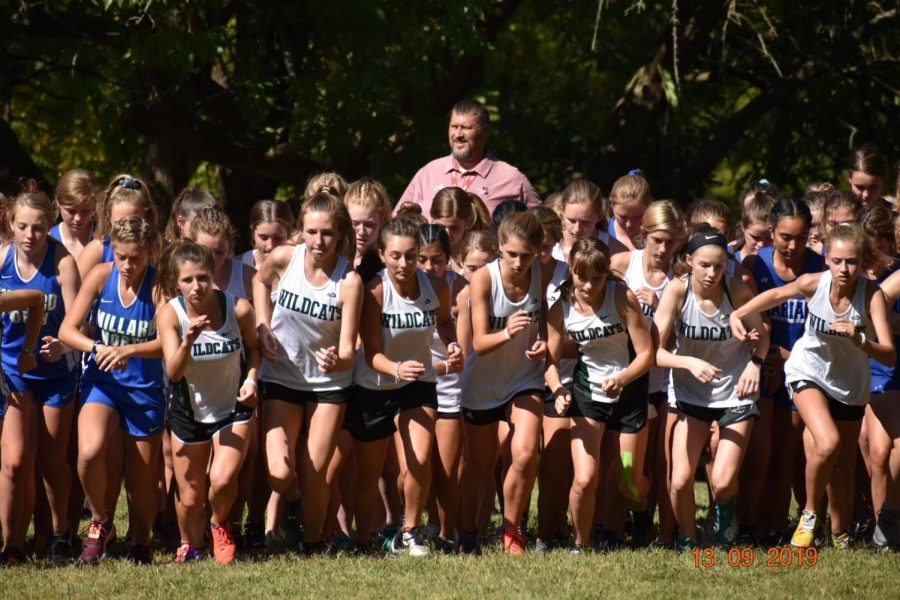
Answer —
664 215
124 189
582 191
369 194
553 201
76 188
629 189
331 204
869 256
37 201
549 221
328 181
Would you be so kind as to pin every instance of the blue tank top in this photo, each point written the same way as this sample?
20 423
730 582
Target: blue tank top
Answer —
108 254
46 281
55 233
611 228
788 318
886 378
118 325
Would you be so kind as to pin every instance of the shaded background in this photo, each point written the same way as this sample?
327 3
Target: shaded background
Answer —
248 99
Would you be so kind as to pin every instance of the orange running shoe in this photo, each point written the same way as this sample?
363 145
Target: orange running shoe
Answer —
513 542
222 543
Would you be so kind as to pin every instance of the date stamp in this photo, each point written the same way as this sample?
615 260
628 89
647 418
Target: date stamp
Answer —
778 557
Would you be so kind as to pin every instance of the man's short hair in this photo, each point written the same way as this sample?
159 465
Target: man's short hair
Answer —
473 107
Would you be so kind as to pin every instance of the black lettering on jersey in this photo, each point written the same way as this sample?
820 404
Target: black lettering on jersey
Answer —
704 333
307 306
409 320
820 325
223 348
594 333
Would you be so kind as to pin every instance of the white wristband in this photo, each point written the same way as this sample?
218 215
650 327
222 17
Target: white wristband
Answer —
249 381
397 373
862 339
506 333
446 367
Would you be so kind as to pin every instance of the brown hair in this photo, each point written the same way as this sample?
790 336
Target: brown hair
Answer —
869 256
679 257
331 204
708 208
76 188
124 189
838 199
189 202
370 194
271 211
549 221
758 210
553 201
399 227
523 225
582 191
213 221
411 211
176 254
139 231
481 240
455 203
868 159
878 224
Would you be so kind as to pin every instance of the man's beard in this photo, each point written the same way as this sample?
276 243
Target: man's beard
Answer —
462 154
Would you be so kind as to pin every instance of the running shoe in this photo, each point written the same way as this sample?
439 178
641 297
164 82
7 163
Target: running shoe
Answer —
885 534
40 545
274 541
93 547
223 545
395 546
343 543
61 550
255 536
642 525
431 531
468 543
726 523
805 534
139 554
747 536
12 557
514 542
387 534
292 526
840 540
187 554
684 544
577 550
311 549
541 546
605 540
414 542
445 546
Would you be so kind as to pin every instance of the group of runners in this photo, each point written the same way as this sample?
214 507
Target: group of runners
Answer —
371 377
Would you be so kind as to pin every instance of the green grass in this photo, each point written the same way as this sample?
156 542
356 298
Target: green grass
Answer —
646 573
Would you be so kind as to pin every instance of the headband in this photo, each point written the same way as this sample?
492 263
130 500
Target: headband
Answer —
705 237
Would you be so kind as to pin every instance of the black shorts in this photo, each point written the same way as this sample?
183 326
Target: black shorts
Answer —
456 414
628 415
657 398
498 413
276 391
370 414
550 404
839 411
723 416
189 431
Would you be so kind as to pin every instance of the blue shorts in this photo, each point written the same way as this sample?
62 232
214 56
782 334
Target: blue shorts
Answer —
881 385
142 411
55 393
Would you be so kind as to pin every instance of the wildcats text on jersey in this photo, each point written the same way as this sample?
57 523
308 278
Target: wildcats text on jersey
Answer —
306 306
820 325
211 349
412 320
593 333
704 333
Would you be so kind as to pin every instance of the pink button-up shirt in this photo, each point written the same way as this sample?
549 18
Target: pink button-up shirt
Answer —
492 180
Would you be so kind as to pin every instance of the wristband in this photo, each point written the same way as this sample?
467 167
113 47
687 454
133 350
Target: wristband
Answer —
397 373
560 391
249 381
506 333
446 367
27 351
757 361
94 347
862 339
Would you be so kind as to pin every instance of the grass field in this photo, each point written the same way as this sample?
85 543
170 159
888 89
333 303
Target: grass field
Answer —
645 573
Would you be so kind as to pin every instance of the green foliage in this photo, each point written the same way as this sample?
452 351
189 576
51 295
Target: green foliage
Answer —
276 91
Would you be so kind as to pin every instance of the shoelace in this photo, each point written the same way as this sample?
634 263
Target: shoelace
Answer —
182 553
96 530
223 537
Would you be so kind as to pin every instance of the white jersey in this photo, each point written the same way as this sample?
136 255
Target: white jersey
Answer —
709 338
407 328
602 340
208 390
560 254
449 387
830 360
304 319
235 285
634 277
566 365
490 380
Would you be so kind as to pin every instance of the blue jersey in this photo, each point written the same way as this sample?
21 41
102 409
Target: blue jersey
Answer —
789 318
885 378
45 279
57 235
108 254
611 228
118 325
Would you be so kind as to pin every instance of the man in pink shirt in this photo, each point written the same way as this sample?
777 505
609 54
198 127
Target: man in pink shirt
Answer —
469 166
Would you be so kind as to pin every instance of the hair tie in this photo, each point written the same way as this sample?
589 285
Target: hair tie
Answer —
636 173
129 183
763 181
706 236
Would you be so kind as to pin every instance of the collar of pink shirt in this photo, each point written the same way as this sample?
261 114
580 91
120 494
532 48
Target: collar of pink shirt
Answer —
482 168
